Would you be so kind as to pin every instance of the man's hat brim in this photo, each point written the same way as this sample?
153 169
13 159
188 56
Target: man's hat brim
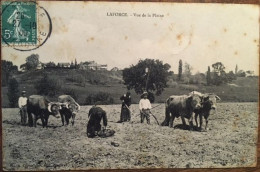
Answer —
145 93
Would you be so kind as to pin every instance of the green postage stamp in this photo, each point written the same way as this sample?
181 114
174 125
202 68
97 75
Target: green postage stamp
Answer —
19 23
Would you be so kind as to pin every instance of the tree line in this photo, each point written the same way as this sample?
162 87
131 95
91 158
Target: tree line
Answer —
149 75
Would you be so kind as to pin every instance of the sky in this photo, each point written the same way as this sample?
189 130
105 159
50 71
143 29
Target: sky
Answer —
199 34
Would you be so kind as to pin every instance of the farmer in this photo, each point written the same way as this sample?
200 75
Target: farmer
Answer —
125 111
96 114
22 103
145 106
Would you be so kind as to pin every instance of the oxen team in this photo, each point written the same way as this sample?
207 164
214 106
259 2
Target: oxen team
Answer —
38 107
185 106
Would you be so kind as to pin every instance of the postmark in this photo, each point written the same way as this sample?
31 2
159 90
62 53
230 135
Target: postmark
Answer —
25 25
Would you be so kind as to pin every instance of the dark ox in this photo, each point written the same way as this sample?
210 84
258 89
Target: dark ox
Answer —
41 108
181 106
69 109
208 106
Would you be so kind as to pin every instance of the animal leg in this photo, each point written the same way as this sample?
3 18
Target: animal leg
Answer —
183 120
43 121
172 120
167 118
62 118
201 121
34 120
196 119
46 121
30 119
67 119
191 122
206 127
73 118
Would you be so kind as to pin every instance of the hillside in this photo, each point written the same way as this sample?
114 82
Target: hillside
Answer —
84 83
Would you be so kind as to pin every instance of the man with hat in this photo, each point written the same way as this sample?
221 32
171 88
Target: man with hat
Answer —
22 103
145 106
125 111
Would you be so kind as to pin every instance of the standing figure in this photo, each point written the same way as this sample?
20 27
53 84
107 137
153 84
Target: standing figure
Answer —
95 115
22 103
16 20
145 106
125 111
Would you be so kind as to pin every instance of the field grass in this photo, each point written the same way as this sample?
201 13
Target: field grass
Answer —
244 89
230 142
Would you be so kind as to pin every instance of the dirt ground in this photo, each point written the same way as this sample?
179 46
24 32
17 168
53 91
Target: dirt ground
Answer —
230 142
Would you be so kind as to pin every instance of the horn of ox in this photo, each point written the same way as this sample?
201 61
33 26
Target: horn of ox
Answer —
78 106
49 106
218 97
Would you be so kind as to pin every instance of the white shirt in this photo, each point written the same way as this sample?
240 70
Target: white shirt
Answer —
145 104
22 101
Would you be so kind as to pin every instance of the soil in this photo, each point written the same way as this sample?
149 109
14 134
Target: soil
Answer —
230 142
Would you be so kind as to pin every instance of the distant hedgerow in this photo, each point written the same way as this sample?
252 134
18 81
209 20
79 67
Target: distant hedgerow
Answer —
99 98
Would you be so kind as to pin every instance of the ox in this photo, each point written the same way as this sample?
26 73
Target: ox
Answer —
69 110
208 107
41 108
183 106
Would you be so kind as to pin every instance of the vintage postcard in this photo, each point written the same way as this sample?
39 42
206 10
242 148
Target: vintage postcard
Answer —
128 85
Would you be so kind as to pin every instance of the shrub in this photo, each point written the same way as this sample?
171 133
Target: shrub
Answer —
72 93
48 86
99 98
13 92
78 78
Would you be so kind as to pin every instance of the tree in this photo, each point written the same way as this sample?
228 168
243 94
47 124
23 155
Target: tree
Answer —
32 62
236 69
50 65
231 76
180 70
13 92
241 73
219 74
136 78
48 86
208 76
218 67
7 70
187 69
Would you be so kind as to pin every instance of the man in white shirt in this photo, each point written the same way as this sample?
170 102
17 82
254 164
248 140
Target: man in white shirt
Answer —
22 103
145 106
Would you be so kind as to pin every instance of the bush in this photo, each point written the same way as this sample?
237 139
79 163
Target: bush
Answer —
99 98
78 78
172 84
72 93
13 92
48 86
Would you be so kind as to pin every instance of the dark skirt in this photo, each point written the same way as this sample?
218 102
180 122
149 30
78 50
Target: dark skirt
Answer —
125 114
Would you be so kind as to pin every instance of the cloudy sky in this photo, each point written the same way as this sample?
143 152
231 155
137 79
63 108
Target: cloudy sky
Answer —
199 34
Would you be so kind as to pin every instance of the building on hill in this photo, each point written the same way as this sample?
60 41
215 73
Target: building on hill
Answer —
249 73
23 67
63 65
40 66
115 69
50 65
92 65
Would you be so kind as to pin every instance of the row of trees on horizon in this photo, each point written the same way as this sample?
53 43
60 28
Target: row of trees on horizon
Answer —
149 74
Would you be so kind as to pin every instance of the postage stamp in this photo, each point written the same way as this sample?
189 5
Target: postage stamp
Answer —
19 21
25 25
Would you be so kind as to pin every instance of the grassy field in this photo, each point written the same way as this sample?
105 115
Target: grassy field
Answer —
230 142
83 83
